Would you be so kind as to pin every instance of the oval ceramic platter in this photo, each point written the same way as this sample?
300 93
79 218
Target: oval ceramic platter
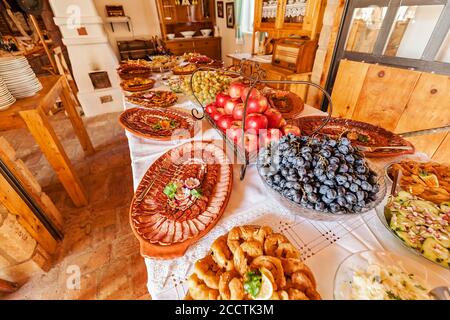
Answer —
159 124
180 198
360 133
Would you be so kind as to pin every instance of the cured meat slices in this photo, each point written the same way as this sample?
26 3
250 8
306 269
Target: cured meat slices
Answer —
158 124
181 207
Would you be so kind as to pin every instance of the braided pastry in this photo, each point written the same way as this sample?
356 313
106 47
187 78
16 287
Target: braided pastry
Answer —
252 262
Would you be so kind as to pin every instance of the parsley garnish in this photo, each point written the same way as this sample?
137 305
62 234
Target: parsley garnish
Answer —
392 296
170 190
363 138
252 285
196 193
157 126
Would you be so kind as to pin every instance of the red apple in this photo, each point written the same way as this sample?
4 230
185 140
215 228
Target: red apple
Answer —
275 117
238 112
256 121
211 108
287 129
230 105
270 135
221 99
217 114
257 105
236 89
235 131
254 94
225 122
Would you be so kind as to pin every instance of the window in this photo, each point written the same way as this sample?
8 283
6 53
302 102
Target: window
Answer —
248 15
411 34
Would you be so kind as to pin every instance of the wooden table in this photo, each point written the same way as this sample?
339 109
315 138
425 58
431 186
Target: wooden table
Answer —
32 113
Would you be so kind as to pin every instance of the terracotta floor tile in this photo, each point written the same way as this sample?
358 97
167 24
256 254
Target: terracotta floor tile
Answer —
125 246
98 238
87 289
91 260
114 280
139 275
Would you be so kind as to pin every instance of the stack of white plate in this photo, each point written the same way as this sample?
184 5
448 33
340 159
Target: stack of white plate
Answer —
6 98
19 77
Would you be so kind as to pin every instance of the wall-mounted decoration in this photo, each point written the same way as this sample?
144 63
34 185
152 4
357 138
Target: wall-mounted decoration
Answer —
230 14
115 11
100 80
220 9
82 31
106 99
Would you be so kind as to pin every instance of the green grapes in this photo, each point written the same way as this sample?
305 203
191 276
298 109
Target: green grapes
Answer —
206 85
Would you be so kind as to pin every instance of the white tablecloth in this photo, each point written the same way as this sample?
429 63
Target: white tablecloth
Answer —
323 245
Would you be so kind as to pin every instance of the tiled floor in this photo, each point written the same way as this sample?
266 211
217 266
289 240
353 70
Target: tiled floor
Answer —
98 238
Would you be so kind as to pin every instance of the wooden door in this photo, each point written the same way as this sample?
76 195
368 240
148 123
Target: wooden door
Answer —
396 99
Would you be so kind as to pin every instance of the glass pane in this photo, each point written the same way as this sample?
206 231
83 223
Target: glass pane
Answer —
269 11
411 30
295 11
444 52
364 28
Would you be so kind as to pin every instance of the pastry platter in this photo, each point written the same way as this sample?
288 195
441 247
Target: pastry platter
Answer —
163 63
359 133
130 70
252 263
288 103
180 198
153 99
427 180
158 124
137 84
184 70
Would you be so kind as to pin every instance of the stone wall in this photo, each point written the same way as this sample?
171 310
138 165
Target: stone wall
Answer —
17 249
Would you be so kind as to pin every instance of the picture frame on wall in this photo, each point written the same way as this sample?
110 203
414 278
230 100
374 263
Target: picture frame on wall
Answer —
230 14
220 9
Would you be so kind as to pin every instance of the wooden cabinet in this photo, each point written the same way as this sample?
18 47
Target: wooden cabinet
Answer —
207 46
275 73
284 18
175 18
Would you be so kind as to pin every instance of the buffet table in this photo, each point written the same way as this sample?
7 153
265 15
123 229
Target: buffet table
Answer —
323 245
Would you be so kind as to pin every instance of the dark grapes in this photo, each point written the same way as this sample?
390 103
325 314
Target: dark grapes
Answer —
326 175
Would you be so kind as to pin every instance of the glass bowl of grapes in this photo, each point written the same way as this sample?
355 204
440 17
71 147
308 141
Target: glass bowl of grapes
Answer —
320 178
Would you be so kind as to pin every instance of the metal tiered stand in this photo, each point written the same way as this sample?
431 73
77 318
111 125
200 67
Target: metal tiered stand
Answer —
254 78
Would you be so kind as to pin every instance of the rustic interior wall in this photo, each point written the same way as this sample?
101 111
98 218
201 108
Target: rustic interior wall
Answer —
324 41
229 44
144 20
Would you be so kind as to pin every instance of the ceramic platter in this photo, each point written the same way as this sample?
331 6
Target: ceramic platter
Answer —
288 103
158 124
152 99
360 133
180 198
137 84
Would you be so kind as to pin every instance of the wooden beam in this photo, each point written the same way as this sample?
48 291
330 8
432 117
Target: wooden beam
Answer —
74 116
26 217
46 138
8 287
30 184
